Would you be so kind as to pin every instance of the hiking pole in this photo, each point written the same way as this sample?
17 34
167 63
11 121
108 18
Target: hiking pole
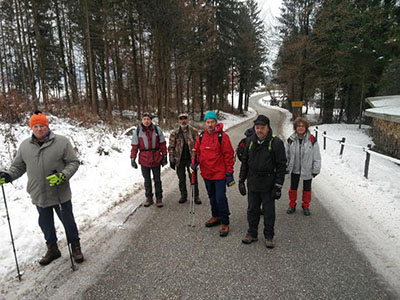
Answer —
19 275
73 266
191 204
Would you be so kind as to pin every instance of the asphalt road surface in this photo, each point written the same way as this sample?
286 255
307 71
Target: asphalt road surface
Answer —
163 258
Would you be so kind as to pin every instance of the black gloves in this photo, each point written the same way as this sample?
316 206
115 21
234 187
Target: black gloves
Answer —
276 191
242 188
229 179
133 163
314 175
164 160
172 165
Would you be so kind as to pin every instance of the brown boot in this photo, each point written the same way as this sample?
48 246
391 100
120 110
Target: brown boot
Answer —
224 230
214 221
51 254
159 202
76 252
149 201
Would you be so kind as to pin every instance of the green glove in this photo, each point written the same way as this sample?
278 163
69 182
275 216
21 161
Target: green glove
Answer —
4 178
56 179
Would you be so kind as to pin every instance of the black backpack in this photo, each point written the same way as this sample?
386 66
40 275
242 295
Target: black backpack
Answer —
220 135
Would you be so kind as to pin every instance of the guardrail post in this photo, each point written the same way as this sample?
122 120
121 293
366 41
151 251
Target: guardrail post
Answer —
316 132
342 146
324 140
367 158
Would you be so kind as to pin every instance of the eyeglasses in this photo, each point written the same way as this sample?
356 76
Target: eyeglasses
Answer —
182 118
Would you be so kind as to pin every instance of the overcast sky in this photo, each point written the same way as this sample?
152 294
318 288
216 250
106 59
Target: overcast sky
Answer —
269 8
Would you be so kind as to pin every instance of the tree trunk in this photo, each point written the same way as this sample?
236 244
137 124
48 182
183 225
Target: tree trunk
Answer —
39 49
62 51
90 60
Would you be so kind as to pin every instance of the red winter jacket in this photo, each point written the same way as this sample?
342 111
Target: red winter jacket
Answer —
149 156
215 158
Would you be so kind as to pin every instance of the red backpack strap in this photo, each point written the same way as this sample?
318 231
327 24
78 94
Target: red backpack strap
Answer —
312 138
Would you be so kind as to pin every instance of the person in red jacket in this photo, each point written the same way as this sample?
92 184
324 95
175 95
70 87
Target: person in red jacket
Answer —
215 155
150 141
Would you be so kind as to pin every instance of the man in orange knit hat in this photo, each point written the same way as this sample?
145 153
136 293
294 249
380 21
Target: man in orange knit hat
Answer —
49 160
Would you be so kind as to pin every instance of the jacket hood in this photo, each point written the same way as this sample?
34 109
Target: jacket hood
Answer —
249 131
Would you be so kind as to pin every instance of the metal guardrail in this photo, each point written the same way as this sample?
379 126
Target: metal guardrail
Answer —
366 149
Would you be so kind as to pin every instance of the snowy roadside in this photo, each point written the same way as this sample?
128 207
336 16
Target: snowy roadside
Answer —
103 182
367 209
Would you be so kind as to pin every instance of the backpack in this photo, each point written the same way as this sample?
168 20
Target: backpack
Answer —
220 135
138 130
242 146
312 139
155 130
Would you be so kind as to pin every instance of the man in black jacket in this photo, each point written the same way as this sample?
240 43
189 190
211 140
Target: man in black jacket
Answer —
264 166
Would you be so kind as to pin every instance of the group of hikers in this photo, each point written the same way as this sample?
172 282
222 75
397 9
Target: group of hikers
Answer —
50 161
265 160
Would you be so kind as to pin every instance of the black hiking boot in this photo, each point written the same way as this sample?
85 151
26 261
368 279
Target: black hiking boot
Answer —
182 200
51 254
197 200
306 211
291 210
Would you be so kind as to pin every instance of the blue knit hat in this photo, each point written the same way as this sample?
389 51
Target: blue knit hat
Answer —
211 115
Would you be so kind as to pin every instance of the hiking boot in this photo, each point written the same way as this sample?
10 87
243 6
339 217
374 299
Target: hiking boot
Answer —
291 210
306 211
149 201
224 230
51 254
159 202
269 243
197 200
182 200
76 252
248 239
214 221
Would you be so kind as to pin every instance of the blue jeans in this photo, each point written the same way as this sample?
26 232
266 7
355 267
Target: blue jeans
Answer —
216 190
46 223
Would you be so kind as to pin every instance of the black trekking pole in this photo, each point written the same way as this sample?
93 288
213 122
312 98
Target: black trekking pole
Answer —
73 266
19 275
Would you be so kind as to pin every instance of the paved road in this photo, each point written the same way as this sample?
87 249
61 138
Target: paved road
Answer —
163 258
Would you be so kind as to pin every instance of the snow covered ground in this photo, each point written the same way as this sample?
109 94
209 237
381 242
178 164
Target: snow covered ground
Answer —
367 209
104 179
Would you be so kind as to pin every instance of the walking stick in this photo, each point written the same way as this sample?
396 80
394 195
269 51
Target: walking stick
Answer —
192 192
73 266
11 234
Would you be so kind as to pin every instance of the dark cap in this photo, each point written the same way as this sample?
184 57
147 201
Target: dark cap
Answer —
261 120
149 115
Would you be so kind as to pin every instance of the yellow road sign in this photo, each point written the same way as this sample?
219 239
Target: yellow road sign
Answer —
297 103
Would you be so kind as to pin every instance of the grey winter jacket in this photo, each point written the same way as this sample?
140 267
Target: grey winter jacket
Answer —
39 162
310 162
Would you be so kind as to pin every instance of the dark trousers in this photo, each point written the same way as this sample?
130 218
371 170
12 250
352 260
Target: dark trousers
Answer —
216 190
181 172
46 223
294 182
157 181
255 199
